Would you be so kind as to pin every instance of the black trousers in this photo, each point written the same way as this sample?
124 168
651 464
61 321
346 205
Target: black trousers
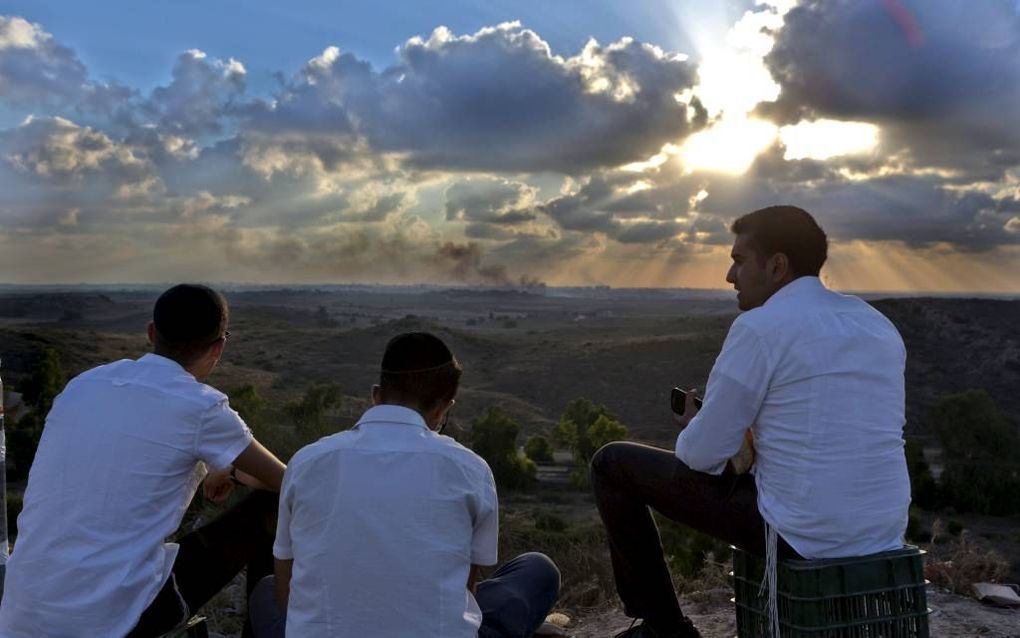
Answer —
210 557
628 478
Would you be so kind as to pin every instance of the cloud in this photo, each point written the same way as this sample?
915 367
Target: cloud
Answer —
199 96
36 70
497 100
49 165
491 201
937 75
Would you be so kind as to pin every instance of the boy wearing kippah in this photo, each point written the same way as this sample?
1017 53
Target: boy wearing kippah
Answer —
382 528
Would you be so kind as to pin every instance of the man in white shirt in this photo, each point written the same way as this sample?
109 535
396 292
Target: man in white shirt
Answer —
383 528
818 378
123 450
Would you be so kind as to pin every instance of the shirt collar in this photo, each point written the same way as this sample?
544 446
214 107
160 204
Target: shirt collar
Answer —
392 414
799 286
154 359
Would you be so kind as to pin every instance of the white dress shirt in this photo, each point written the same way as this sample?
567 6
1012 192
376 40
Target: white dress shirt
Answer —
819 378
383 523
118 464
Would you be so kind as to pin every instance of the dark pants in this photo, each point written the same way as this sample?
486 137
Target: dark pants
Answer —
514 602
210 557
628 478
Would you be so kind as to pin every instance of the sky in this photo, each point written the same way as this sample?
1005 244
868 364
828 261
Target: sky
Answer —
575 142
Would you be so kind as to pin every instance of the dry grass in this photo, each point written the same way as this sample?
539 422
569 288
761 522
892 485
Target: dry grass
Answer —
961 562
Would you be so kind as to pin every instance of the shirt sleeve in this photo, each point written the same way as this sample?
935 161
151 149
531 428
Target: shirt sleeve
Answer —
734 394
282 548
485 540
221 436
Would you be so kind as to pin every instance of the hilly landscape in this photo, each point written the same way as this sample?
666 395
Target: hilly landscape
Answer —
528 352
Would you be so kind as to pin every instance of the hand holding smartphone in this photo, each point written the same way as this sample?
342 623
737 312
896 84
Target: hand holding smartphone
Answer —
678 401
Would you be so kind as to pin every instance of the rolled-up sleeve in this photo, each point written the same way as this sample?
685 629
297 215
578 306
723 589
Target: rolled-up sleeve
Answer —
736 388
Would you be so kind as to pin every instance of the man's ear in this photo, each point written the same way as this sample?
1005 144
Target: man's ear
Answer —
216 349
151 331
780 268
376 394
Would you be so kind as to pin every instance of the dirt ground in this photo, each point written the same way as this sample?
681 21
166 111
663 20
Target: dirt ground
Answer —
712 613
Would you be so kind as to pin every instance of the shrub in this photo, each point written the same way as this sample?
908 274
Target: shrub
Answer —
962 562
980 448
539 449
494 438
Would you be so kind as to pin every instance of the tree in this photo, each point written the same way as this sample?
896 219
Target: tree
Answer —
924 490
43 385
248 403
539 449
309 413
980 448
606 430
494 438
573 430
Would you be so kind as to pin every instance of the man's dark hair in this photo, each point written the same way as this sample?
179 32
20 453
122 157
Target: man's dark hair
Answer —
188 318
418 370
788 230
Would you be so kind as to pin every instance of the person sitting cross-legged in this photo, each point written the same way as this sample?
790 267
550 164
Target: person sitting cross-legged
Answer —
382 528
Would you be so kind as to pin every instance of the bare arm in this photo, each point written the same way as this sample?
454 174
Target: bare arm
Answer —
260 464
282 569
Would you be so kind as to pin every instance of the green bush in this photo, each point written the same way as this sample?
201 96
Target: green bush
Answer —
539 449
575 429
980 452
494 438
923 488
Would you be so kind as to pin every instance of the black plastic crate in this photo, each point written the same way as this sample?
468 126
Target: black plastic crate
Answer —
881 595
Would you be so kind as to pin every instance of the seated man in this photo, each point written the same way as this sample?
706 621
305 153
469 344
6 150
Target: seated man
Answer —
818 378
383 527
122 453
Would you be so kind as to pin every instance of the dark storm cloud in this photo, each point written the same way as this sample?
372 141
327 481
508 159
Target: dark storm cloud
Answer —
940 76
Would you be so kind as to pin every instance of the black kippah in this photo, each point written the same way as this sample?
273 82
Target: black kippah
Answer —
415 352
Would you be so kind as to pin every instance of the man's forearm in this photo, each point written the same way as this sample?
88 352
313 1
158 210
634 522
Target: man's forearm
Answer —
260 464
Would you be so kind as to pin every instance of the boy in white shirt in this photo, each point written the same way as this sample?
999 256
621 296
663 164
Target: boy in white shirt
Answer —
383 528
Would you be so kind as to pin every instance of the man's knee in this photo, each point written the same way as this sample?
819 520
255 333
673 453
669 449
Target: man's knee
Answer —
608 456
543 571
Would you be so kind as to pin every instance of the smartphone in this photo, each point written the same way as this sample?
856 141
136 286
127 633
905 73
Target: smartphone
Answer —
678 401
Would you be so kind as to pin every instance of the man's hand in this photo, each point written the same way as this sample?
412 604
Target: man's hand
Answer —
218 486
690 409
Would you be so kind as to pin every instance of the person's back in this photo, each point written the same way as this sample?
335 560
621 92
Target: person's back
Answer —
830 468
120 444
383 529
385 523
119 461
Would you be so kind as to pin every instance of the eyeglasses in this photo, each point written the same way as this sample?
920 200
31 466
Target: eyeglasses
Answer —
446 417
